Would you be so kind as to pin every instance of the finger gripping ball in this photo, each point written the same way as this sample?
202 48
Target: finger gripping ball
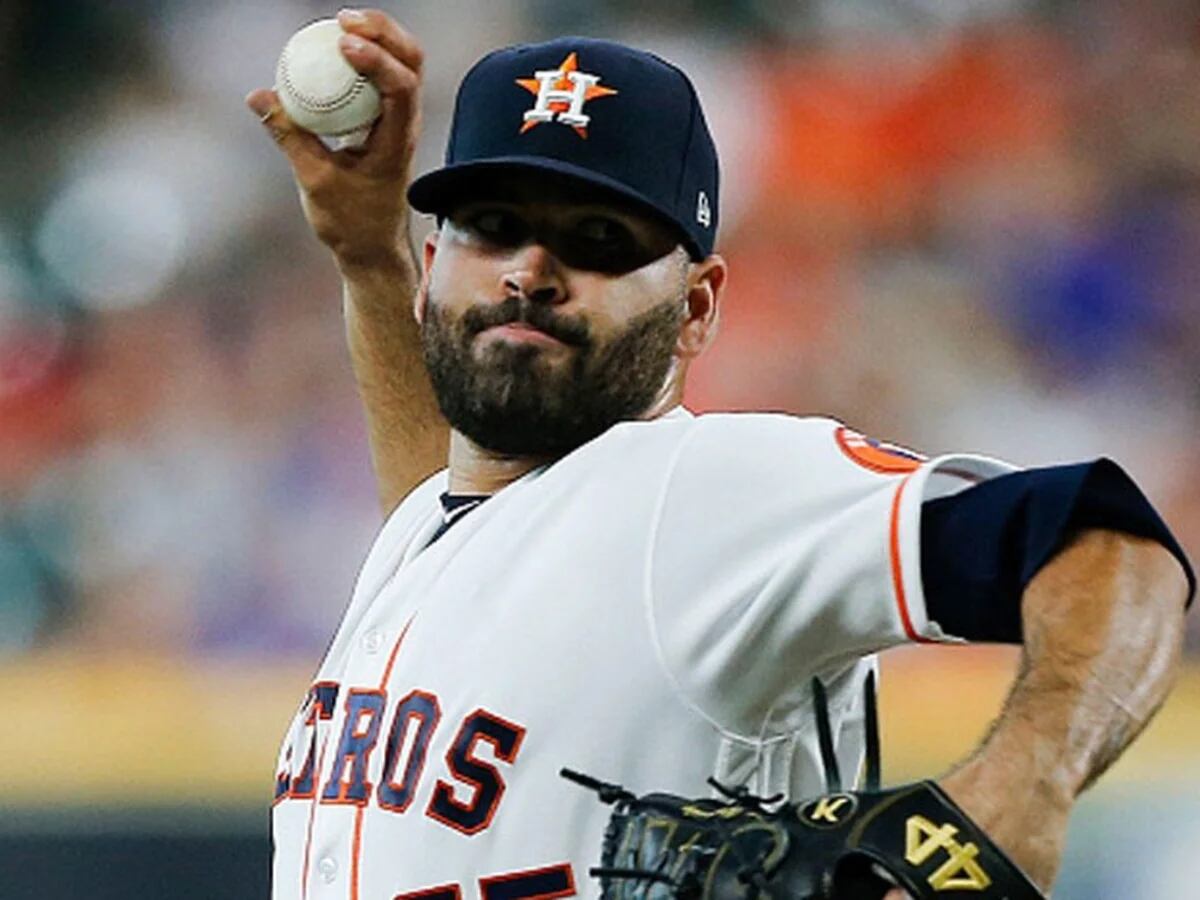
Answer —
319 90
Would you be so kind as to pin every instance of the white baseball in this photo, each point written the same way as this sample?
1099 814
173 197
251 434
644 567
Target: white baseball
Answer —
319 90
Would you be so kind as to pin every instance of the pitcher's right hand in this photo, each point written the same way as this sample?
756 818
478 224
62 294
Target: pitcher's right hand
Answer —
355 199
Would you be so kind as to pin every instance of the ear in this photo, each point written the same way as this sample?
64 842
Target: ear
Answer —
706 285
428 252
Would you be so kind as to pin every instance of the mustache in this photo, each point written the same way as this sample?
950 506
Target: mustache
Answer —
568 329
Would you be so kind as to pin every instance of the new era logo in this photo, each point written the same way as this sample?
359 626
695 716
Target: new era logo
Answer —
703 210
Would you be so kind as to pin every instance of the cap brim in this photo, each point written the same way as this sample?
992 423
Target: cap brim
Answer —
438 191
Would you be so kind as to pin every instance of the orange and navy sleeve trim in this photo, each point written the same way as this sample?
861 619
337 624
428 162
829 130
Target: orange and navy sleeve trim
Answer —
982 546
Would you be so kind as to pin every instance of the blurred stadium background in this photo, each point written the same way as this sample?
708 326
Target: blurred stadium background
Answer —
963 225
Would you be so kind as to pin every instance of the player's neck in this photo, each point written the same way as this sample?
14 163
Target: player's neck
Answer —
476 470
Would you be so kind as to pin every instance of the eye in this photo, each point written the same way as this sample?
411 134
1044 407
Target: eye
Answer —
498 226
603 230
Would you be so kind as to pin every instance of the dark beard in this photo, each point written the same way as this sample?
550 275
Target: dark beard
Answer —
510 401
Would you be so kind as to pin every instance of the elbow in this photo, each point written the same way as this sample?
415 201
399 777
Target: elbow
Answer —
1146 575
1158 590
1110 601
1103 630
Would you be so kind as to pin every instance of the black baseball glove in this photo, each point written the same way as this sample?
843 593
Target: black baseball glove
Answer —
843 845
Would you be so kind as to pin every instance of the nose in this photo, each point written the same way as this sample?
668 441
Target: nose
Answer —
533 272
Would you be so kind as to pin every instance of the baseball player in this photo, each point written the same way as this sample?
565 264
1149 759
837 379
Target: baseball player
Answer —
601 579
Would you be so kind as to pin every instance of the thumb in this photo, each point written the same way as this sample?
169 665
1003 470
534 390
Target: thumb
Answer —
261 101
302 148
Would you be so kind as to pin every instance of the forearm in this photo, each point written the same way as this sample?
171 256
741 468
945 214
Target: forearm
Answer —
355 204
1103 629
408 436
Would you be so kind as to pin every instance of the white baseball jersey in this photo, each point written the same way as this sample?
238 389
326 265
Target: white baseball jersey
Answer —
649 609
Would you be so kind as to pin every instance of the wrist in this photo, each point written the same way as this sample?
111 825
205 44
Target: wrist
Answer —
367 262
994 794
378 290
1022 810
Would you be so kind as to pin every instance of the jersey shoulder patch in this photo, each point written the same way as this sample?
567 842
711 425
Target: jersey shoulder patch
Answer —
877 456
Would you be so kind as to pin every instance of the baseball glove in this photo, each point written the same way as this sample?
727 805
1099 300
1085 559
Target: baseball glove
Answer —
843 845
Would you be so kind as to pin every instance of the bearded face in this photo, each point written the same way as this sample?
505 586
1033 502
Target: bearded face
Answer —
522 398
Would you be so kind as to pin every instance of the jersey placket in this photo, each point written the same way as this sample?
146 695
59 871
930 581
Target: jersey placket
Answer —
326 867
333 845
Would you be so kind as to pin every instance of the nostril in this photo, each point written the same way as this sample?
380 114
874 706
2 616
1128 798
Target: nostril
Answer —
547 294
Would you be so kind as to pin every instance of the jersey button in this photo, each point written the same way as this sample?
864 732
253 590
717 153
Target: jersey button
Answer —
328 869
372 640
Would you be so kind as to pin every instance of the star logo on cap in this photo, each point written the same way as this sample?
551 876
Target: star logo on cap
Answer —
561 94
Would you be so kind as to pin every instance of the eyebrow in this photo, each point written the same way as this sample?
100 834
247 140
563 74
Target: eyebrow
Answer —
628 215
597 205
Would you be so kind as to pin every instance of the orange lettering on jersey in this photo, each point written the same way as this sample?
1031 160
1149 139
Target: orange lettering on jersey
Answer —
878 456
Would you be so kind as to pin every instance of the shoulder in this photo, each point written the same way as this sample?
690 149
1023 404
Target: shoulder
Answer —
776 457
758 431
773 443
763 431
767 432
727 443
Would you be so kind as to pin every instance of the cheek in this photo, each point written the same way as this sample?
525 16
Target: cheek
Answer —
443 275
456 277
603 304
615 300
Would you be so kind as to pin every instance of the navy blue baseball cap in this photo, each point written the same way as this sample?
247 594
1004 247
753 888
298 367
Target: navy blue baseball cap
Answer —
612 116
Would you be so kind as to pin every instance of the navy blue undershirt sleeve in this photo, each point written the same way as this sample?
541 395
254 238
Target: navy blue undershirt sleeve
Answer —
982 546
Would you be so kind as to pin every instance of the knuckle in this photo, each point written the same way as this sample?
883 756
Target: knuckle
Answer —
398 40
416 56
378 19
406 81
393 79
367 58
412 82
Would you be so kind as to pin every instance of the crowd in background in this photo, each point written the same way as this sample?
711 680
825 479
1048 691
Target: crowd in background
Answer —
971 229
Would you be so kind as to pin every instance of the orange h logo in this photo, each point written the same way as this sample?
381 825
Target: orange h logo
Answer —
561 94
